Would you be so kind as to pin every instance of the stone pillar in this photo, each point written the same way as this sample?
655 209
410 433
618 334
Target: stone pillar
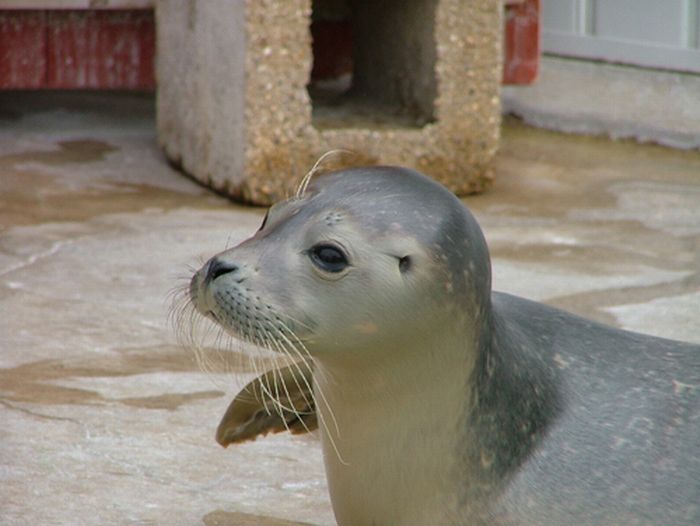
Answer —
238 111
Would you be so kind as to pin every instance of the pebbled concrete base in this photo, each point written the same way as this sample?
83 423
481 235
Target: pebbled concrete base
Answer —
237 109
107 421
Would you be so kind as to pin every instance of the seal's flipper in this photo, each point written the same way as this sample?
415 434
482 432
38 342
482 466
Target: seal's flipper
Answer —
251 413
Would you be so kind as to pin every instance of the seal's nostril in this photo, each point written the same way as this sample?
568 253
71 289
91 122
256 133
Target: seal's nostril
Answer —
218 267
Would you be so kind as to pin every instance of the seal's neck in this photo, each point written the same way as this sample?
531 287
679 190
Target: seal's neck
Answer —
391 428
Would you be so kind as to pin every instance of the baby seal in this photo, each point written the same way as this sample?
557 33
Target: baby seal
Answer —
439 401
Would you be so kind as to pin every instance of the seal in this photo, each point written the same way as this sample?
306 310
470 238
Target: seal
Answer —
437 400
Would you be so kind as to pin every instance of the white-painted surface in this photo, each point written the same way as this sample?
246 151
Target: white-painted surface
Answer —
661 34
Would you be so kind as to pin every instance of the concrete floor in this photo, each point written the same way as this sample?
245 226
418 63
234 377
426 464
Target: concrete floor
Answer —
107 421
620 101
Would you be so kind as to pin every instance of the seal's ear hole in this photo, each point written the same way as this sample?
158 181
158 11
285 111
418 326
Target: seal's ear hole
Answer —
405 263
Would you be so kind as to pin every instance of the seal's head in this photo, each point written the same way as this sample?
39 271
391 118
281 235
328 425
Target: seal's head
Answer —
364 258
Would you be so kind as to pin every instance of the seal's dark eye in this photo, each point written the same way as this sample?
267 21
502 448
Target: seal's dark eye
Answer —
328 257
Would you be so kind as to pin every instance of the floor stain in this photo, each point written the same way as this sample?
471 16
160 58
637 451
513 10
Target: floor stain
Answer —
32 382
72 151
171 402
234 518
36 414
21 203
594 302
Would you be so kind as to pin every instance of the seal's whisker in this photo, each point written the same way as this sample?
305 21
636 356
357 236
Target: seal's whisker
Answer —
262 380
292 319
190 336
195 328
201 355
321 394
279 406
211 358
271 376
303 185
306 356
297 364
265 394
178 294
182 280
193 318
277 380
259 395
180 305
221 354
294 410
231 366
208 361
225 352
192 269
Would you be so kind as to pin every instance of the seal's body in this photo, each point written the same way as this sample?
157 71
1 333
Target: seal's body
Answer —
439 401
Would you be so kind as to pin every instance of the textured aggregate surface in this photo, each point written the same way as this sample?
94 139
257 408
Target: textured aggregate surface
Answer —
234 110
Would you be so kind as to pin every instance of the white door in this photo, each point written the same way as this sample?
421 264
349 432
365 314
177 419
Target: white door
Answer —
650 33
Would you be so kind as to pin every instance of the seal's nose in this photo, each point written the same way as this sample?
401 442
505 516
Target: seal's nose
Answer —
218 267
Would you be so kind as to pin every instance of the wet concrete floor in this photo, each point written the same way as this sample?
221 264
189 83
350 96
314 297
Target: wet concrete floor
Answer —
106 420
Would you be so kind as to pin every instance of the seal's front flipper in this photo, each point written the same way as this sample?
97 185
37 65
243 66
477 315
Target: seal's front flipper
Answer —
253 413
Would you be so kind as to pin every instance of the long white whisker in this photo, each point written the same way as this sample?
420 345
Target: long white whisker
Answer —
305 360
319 413
275 399
275 372
259 395
318 388
303 185
295 363
264 382
294 410
278 402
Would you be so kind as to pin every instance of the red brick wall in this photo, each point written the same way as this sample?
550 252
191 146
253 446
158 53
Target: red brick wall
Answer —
77 49
521 44
115 48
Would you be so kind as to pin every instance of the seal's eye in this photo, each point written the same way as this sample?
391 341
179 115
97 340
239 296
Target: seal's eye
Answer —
328 257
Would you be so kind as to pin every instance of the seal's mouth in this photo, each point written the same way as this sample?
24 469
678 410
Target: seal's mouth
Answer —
222 296
271 334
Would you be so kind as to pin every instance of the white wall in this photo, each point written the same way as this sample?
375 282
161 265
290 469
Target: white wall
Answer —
651 33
